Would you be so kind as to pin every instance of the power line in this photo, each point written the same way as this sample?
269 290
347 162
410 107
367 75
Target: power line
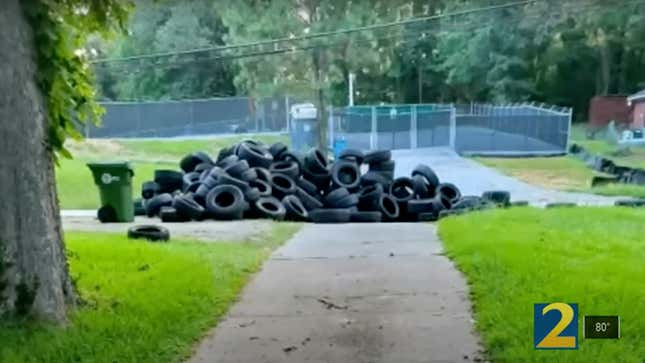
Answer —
318 35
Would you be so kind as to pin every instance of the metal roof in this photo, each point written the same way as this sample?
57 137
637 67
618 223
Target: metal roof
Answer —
636 96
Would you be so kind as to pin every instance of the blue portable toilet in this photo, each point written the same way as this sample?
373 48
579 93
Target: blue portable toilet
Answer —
304 126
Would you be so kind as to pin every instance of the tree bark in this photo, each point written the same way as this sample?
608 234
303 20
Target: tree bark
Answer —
34 275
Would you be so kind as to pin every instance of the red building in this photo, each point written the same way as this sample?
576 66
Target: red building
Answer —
636 102
603 109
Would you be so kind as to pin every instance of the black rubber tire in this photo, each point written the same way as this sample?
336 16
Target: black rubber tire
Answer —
309 202
347 202
170 215
316 162
307 186
320 180
139 208
353 155
263 174
228 161
434 205
277 149
149 189
450 191
187 207
369 197
288 168
375 177
561 205
402 189
169 180
226 202
249 175
389 207
270 207
282 185
330 215
190 161
468 202
203 167
224 153
421 188
149 232
427 217
377 156
106 214
190 180
500 197
346 174
236 170
255 155
153 205
229 180
335 196
296 211
633 203
427 172
383 166
520 203
366 217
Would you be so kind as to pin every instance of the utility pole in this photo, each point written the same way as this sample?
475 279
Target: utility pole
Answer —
352 77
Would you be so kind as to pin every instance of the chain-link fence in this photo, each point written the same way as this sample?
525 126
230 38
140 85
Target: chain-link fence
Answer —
192 117
512 129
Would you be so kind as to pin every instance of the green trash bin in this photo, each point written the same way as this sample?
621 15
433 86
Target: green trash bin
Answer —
114 180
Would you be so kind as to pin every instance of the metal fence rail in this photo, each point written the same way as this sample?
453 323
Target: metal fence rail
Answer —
513 129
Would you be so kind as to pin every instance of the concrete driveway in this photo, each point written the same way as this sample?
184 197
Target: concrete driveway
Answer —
473 178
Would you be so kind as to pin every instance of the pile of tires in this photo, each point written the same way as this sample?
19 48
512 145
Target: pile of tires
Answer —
253 180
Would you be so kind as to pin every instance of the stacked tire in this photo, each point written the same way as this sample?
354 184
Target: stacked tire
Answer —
254 180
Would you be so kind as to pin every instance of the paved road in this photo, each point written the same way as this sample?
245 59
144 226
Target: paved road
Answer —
473 178
350 293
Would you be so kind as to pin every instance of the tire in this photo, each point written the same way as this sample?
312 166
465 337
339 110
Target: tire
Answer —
389 207
334 197
255 155
561 205
426 172
353 155
270 207
189 180
228 161
377 156
263 174
170 215
309 202
330 215
468 202
296 211
277 150
187 207
149 232
633 203
366 217
427 217
226 202
450 191
139 208
153 206
434 205
383 166
316 162
282 185
229 180
224 153
402 189
320 180
288 168
307 186
369 197
346 174
190 161
106 214
500 197
249 175
520 203
149 189
347 202
263 187
203 167
375 177
169 180
236 170
421 187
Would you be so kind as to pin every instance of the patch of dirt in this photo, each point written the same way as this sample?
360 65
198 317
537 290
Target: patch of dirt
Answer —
90 147
548 180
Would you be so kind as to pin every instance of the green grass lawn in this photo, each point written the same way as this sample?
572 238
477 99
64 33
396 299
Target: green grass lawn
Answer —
143 302
515 258
76 189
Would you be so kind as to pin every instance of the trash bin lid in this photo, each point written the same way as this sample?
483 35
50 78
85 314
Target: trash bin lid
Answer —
110 165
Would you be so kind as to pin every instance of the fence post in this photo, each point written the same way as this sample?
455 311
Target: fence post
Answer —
373 131
453 129
287 113
569 130
331 126
413 127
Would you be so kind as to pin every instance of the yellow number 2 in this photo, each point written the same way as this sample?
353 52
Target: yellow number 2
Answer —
553 339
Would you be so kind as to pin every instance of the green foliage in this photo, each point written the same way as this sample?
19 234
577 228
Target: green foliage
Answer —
60 31
515 258
143 302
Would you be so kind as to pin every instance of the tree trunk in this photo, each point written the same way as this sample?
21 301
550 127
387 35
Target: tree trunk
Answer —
34 275
321 107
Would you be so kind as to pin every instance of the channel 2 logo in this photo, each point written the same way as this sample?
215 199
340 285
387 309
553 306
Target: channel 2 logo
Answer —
555 326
